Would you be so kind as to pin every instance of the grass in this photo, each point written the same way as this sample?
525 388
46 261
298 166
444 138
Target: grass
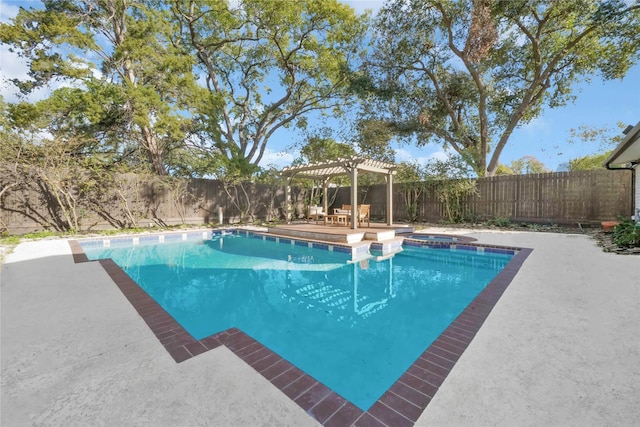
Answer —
7 243
10 240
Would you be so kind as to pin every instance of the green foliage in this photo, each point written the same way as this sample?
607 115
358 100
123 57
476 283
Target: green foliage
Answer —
453 193
373 138
627 233
411 181
9 240
453 186
321 149
270 176
606 139
523 166
130 88
440 73
236 169
44 234
450 179
527 165
114 232
503 169
499 221
267 64
591 162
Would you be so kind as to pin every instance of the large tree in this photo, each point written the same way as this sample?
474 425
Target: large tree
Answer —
467 73
126 69
265 64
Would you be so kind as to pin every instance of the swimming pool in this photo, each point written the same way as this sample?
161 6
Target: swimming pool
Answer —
355 326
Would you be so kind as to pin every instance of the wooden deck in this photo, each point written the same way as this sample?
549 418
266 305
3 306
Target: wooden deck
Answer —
340 233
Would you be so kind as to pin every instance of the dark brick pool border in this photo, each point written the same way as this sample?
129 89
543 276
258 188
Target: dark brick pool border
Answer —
401 405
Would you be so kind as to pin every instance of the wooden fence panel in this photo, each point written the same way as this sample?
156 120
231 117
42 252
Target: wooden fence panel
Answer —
138 203
553 198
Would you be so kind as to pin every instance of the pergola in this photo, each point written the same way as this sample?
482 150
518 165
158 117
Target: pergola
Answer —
324 171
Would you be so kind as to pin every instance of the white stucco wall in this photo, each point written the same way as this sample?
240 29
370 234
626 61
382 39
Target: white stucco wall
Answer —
636 199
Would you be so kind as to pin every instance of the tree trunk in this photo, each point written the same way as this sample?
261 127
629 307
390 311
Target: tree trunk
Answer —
153 150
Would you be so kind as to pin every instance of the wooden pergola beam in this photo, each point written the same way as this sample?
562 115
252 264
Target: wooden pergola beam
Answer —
350 166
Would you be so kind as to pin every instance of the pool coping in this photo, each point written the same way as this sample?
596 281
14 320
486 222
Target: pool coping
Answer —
459 239
401 405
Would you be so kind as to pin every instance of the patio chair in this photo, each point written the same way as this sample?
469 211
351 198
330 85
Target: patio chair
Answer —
316 212
344 210
363 214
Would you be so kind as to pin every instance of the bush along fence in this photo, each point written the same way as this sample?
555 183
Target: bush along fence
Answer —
562 198
39 201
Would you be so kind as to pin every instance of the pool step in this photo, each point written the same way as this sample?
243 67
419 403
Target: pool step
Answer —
380 235
341 236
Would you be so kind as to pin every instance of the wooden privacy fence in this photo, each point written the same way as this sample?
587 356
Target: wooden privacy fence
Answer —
131 201
561 198
134 201
554 198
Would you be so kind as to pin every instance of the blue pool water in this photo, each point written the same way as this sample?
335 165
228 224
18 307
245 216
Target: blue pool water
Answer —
356 327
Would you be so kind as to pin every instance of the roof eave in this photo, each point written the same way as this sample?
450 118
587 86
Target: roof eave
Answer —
628 151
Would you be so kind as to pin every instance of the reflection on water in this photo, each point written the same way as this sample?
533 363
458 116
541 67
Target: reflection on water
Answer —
366 322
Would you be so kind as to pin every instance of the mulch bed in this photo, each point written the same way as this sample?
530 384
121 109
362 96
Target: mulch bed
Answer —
605 241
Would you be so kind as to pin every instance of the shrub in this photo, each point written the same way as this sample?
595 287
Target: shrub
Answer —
499 221
626 234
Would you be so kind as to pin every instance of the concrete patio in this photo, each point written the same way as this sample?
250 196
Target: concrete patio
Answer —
561 347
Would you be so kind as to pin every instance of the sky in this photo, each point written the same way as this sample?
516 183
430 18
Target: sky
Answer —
599 104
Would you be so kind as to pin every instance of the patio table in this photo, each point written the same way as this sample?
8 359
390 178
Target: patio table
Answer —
338 218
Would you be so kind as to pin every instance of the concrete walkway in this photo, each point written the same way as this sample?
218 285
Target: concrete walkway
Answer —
561 347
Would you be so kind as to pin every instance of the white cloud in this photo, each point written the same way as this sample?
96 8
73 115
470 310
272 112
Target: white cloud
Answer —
440 155
15 67
278 159
8 10
536 125
12 67
403 155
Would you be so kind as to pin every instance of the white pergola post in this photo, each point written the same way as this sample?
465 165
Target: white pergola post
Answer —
390 199
287 201
325 197
354 197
